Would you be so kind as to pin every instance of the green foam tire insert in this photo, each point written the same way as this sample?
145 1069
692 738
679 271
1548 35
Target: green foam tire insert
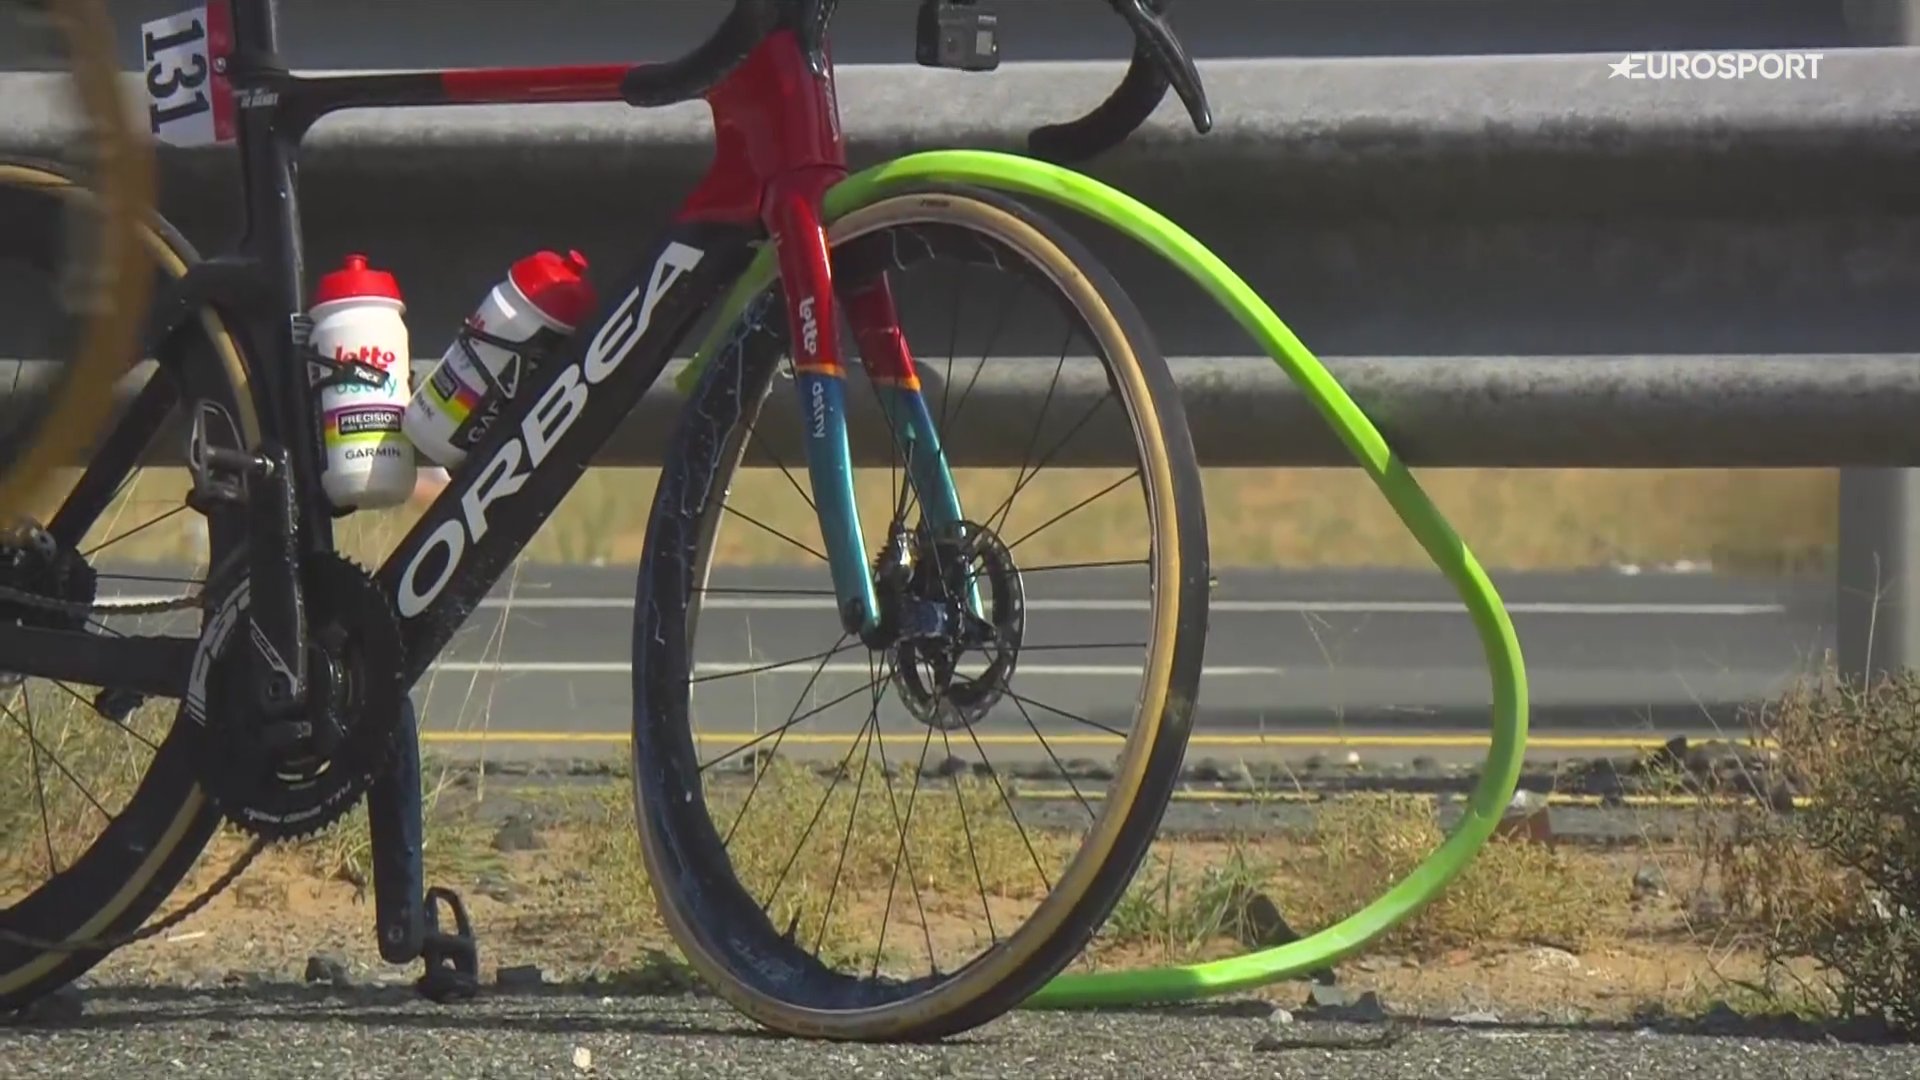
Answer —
1487 803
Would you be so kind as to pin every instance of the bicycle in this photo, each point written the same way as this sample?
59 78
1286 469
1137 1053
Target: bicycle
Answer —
293 686
53 410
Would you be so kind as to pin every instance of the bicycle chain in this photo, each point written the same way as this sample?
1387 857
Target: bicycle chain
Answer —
81 610
121 941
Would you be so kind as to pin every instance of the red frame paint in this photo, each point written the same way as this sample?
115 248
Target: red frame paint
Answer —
778 147
514 86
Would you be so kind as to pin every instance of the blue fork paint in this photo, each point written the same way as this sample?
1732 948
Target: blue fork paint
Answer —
823 415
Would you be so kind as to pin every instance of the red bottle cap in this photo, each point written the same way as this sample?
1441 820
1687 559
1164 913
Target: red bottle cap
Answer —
554 284
354 279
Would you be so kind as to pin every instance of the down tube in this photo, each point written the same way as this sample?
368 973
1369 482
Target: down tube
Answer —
541 442
1450 555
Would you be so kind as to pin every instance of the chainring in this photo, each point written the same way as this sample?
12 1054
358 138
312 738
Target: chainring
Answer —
354 692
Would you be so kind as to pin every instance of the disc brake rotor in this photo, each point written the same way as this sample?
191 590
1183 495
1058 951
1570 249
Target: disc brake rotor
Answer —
965 583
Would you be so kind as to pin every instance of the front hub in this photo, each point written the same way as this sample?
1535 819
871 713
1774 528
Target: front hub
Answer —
956 616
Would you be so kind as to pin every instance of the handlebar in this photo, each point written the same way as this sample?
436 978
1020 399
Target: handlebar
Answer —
1160 63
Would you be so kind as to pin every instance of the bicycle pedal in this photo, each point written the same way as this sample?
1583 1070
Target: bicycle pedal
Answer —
958 35
452 959
219 466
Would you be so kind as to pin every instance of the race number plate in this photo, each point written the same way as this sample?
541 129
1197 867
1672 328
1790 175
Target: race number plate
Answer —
189 101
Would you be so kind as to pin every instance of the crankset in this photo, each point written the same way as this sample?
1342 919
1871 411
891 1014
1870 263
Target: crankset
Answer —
288 777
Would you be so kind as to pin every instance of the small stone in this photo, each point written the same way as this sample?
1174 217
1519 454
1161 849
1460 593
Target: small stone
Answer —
495 887
583 1059
220 1035
520 977
1262 924
1546 957
1041 770
1328 996
1336 1003
1649 881
517 834
326 969
1081 767
1279 1017
1207 771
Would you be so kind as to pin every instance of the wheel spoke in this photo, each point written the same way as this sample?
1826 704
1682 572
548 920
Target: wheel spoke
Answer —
853 817
764 527
779 733
1075 508
904 823
1055 758
1043 706
778 664
994 775
807 834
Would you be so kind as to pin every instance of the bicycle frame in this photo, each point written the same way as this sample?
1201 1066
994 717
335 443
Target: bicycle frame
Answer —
779 148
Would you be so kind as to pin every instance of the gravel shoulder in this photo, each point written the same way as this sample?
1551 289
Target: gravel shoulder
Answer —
283 1032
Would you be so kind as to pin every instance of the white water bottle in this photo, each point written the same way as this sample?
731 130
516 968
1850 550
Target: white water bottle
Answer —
543 298
357 316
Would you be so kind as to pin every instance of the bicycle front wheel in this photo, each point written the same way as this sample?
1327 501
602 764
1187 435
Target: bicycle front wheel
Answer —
943 899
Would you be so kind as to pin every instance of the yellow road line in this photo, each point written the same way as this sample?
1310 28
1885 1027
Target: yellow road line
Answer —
1308 739
1681 802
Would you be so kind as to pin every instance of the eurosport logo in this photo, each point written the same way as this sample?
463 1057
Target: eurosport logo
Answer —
1671 66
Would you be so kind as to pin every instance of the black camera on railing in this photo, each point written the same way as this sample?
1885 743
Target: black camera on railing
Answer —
958 34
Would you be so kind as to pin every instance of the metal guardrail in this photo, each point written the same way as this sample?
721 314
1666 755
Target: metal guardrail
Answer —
1490 412
1564 268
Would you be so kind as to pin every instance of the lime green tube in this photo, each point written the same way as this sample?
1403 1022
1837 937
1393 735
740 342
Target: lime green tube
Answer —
1505 667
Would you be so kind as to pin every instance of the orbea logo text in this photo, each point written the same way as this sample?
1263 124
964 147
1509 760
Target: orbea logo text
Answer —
1717 65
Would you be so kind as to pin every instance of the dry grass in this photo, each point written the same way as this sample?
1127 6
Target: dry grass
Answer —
1837 883
1515 519
1354 850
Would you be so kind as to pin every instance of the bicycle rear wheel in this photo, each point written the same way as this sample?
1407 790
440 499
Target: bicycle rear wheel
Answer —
56 402
719 812
101 810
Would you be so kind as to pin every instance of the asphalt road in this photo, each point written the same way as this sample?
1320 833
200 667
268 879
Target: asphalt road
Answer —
284 1033
1384 664
1295 662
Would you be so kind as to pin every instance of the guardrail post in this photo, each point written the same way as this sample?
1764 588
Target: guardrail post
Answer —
1877 603
1877 579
